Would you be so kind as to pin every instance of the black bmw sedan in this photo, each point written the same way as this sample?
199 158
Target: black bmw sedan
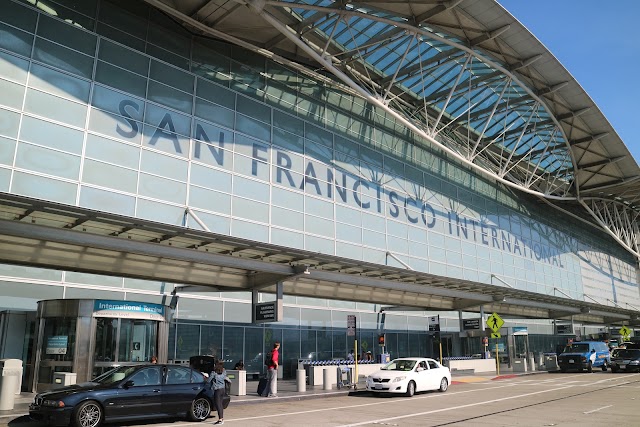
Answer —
128 393
626 360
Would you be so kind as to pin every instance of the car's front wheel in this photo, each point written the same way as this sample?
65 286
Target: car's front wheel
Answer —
444 385
200 409
411 389
89 414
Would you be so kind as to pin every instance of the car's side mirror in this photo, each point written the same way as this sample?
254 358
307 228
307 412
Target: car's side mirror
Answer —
128 384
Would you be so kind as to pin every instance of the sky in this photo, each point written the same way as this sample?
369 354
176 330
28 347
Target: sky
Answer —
598 42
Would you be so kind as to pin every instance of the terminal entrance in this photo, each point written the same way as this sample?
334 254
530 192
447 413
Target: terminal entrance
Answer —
88 337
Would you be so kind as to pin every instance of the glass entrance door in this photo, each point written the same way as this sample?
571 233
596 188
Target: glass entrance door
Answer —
123 341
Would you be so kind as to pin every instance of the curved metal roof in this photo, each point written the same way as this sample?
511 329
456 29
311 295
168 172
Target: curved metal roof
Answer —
463 74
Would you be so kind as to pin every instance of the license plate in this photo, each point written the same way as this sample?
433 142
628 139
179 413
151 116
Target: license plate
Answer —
378 386
622 366
570 360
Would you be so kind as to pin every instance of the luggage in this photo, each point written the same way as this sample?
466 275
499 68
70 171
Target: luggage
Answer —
262 385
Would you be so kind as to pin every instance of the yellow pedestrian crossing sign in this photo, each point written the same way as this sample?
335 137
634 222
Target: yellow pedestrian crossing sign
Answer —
624 331
495 322
496 335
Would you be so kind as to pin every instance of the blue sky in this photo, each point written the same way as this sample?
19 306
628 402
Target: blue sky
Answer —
599 43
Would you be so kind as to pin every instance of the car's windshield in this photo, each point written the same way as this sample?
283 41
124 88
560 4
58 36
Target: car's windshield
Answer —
576 348
399 365
114 375
628 354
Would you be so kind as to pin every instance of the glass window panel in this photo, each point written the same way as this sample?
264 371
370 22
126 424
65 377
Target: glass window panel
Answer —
247 230
147 285
210 178
253 127
12 94
119 36
112 151
318 152
349 233
287 218
51 135
287 198
163 139
171 76
318 244
318 135
20 16
215 223
373 222
287 140
9 122
319 226
163 189
166 166
253 109
107 201
123 57
319 207
214 113
117 102
187 339
120 17
121 79
115 126
250 209
13 68
372 238
5 177
58 83
73 292
170 97
43 188
67 35
252 167
7 151
348 215
290 239
251 189
63 58
15 40
233 345
287 122
348 250
170 40
93 279
110 176
55 108
237 312
165 55
209 200
160 212
216 94
47 161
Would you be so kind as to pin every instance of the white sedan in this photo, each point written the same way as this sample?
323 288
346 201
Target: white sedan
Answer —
408 375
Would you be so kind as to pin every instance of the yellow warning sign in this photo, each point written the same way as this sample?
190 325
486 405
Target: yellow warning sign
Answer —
495 322
624 331
496 335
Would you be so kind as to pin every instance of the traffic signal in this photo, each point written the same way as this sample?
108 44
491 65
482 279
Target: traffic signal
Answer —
381 339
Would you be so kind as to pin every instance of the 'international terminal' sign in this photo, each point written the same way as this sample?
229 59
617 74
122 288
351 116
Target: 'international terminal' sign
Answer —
128 309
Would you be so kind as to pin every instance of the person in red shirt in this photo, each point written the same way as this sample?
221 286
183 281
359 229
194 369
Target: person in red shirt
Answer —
271 390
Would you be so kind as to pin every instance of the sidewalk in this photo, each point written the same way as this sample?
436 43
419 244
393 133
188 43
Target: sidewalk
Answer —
286 391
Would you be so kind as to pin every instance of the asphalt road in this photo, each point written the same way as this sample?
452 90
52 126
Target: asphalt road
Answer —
571 399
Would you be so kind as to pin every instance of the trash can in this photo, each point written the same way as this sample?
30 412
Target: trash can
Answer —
238 382
551 362
61 379
10 382
519 364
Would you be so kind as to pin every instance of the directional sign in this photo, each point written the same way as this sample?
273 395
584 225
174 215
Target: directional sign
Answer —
624 331
495 322
351 325
496 335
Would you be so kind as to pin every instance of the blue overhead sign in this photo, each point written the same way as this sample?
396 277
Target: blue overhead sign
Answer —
128 309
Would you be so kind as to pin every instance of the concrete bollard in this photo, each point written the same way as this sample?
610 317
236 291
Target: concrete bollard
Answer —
327 382
301 380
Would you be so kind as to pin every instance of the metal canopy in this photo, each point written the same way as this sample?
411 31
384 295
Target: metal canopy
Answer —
50 235
464 75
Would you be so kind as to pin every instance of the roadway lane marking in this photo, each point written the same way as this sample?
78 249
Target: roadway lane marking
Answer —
435 411
596 410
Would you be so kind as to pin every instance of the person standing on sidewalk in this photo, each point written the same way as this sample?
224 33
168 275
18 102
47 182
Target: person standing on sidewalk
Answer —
217 378
271 390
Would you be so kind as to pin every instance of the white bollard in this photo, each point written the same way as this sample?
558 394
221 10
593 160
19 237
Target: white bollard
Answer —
301 380
327 382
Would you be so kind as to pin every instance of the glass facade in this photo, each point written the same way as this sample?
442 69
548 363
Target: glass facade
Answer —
111 106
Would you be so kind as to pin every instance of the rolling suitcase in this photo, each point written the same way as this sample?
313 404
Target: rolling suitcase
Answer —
262 385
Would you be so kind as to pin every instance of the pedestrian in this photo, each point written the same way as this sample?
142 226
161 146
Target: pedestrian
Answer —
239 366
271 390
350 355
592 356
217 378
154 360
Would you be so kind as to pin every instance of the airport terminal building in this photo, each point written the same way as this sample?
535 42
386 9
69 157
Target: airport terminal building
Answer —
168 166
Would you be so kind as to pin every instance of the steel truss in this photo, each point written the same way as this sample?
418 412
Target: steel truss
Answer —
447 90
